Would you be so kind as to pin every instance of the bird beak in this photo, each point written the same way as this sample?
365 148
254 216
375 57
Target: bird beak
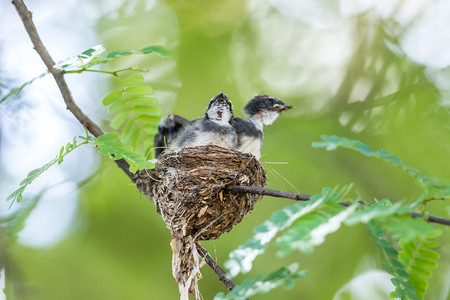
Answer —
220 98
282 108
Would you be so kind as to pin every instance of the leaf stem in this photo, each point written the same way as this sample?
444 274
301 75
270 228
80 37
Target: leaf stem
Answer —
113 73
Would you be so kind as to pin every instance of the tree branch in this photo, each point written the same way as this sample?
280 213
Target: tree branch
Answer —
303 197
58 75
216 268
431 218
240 189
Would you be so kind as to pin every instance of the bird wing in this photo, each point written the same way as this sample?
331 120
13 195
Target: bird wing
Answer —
245 127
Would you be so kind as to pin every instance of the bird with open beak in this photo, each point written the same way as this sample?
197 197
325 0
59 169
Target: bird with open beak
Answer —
213 129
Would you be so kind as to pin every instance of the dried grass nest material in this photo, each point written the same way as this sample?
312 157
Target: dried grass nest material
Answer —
187 187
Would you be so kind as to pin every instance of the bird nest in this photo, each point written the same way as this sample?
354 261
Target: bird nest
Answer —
188 187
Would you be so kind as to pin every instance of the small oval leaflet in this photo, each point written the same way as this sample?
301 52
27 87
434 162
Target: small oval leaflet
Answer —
132 80
112 97
139 90
143 101
119 119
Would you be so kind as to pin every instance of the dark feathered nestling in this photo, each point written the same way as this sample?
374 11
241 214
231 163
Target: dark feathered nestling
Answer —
261 110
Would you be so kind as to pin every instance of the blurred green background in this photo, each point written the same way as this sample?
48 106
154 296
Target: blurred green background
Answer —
367 70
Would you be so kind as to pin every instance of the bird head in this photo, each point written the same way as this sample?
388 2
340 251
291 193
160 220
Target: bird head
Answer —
265 109
219 109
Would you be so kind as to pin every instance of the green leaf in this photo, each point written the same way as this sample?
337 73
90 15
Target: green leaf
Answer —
424 261
119 119
148 111
109 144
415 257
259 285
127 130
138 115
429 253
434 187
407 228
157 49
152 121
15 222
118 106
418 282
147 50
143 101
116 54
379 210
82 59
92 51
138 90
241 259
430 244
417 269
19 89
133 168
135 137
150 130
391 252
17 195
132 80
112 97
89 58
311 230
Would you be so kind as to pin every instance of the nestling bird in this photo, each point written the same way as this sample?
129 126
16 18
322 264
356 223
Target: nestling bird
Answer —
214 128
261 110
168 129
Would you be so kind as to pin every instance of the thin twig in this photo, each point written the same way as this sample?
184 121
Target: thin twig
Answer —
216 268
431 219
240 189
58 75
303 197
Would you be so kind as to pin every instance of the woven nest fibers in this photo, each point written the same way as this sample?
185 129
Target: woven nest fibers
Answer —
188 188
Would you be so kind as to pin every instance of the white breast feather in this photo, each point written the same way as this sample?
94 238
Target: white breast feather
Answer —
251 145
